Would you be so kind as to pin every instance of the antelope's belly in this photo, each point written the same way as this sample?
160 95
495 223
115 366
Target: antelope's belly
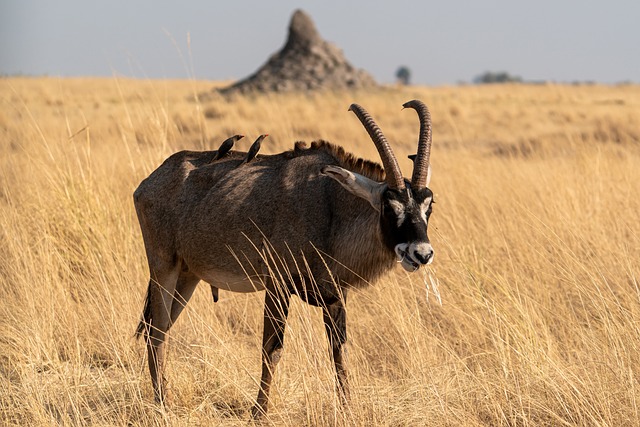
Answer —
233 282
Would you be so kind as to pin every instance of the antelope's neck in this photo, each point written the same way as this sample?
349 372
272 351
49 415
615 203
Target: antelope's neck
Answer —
359 246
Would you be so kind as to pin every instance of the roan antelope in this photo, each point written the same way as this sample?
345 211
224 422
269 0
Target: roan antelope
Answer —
312 222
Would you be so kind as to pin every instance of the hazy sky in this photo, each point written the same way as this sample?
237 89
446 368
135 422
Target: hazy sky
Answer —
441 42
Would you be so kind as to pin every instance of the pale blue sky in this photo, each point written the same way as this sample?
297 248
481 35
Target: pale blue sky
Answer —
442 42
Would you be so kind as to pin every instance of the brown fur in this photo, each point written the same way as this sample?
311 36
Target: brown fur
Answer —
165 183
213 220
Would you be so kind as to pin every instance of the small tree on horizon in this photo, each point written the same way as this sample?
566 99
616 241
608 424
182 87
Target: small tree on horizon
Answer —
404 75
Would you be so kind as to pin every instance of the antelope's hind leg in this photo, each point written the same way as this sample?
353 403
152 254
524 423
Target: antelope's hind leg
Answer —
160 299
187 283
167 295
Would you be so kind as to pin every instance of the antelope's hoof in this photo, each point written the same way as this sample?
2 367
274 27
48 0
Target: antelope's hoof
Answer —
164 399
257 412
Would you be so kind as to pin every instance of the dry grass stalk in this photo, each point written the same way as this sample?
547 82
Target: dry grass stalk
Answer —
536 231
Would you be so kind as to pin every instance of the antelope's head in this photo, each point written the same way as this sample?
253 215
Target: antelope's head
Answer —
404 206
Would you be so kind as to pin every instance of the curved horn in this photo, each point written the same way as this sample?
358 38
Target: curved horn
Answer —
421 162
394 177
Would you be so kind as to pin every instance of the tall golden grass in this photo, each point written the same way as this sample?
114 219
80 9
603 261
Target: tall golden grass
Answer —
536 231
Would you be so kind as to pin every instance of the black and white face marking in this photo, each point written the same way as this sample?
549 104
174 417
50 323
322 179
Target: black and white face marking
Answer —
405 217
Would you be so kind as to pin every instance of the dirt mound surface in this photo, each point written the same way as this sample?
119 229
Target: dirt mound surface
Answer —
306 62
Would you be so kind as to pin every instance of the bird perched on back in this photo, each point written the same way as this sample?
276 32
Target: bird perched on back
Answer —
253 150
226 146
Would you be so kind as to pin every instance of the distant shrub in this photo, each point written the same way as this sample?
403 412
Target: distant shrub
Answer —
496 77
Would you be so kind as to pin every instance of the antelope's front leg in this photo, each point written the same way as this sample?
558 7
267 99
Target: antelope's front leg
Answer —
335 322
276 309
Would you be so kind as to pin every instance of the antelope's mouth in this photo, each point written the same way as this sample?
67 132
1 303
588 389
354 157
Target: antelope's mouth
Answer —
406 261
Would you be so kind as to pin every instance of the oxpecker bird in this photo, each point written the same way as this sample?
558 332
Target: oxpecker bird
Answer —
255 147
226 146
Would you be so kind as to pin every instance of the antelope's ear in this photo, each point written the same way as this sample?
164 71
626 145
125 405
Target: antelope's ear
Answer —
412 157
357 184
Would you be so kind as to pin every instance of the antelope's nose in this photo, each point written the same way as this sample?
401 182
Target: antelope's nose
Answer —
424 257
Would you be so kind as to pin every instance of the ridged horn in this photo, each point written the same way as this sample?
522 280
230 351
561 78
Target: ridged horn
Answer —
394 177
421 162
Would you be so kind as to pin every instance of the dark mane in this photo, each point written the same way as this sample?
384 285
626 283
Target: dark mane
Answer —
371 170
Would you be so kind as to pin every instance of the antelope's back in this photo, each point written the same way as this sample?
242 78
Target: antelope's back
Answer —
231 214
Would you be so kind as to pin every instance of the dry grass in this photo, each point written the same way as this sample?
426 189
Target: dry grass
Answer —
537 239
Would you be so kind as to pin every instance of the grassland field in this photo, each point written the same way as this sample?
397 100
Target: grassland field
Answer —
536 230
